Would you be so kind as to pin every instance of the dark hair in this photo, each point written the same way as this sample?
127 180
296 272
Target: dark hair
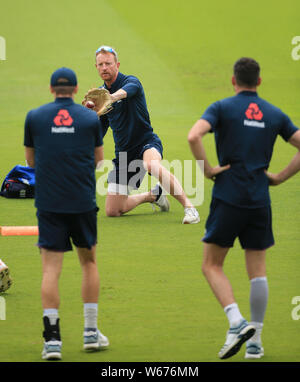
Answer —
246 72
64 90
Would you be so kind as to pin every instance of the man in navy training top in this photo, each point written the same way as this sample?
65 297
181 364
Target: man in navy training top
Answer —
134 137
245 128
63 143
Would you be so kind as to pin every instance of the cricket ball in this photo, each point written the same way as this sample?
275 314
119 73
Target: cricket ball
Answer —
90 104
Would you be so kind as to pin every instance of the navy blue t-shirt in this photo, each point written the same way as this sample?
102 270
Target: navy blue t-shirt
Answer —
64 136
129 118
245 128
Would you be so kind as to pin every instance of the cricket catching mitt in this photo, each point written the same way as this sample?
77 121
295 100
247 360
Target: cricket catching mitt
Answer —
98 99
5 279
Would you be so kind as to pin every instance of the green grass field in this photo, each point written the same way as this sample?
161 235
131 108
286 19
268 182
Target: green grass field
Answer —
155 304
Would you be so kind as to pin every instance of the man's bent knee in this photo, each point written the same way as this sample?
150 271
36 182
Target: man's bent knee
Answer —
115 204
110 212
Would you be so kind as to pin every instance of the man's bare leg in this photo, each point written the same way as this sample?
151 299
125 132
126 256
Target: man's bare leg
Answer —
118 204
93 338
240 330
51 266
212 268
90 275
152 163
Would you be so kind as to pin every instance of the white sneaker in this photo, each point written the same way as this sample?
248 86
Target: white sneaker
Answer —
235 338
94 340
191 216
5 279
254 350
162 201
52 350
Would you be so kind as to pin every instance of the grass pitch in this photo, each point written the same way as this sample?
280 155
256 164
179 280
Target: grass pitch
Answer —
155 304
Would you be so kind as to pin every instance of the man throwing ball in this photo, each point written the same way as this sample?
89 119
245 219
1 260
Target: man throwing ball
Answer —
134 141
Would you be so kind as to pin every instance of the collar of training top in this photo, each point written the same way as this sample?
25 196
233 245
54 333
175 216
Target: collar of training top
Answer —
64 100
248 93
116 85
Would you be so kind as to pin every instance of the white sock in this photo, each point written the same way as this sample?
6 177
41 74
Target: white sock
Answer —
90 315
52 314
233 314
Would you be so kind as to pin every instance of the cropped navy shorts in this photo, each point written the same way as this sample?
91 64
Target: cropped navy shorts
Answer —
252 226
56 230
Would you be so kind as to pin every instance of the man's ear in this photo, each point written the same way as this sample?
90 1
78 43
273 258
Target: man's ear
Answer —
258 81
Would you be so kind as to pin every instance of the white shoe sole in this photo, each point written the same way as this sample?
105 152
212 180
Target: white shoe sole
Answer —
254 356
53 355
244 335
94 346
91 346
104 343
191 222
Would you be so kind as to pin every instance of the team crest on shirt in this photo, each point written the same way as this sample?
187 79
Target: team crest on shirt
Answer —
62 122
253 112
255 115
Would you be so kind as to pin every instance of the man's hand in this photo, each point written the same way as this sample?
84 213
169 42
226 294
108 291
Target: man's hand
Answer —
274 179
212 172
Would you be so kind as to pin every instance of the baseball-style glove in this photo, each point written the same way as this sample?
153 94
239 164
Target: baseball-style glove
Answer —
98 99
5 279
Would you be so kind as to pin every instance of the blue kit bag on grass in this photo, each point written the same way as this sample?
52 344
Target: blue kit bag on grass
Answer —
19 183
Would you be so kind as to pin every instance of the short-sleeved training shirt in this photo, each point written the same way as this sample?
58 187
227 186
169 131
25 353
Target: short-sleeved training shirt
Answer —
246 127
64 136
129 119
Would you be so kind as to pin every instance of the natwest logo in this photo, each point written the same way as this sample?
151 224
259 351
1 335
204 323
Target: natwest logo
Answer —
63 118
253 112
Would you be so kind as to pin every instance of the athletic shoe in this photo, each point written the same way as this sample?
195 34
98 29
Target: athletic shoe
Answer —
254 350
52 340
94 340
236 336
52 349
191 216
5 279
161 199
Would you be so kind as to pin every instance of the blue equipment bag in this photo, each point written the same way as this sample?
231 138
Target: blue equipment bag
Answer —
19 183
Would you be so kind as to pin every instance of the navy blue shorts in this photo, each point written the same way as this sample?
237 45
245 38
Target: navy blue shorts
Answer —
253 226
128 170
57 229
